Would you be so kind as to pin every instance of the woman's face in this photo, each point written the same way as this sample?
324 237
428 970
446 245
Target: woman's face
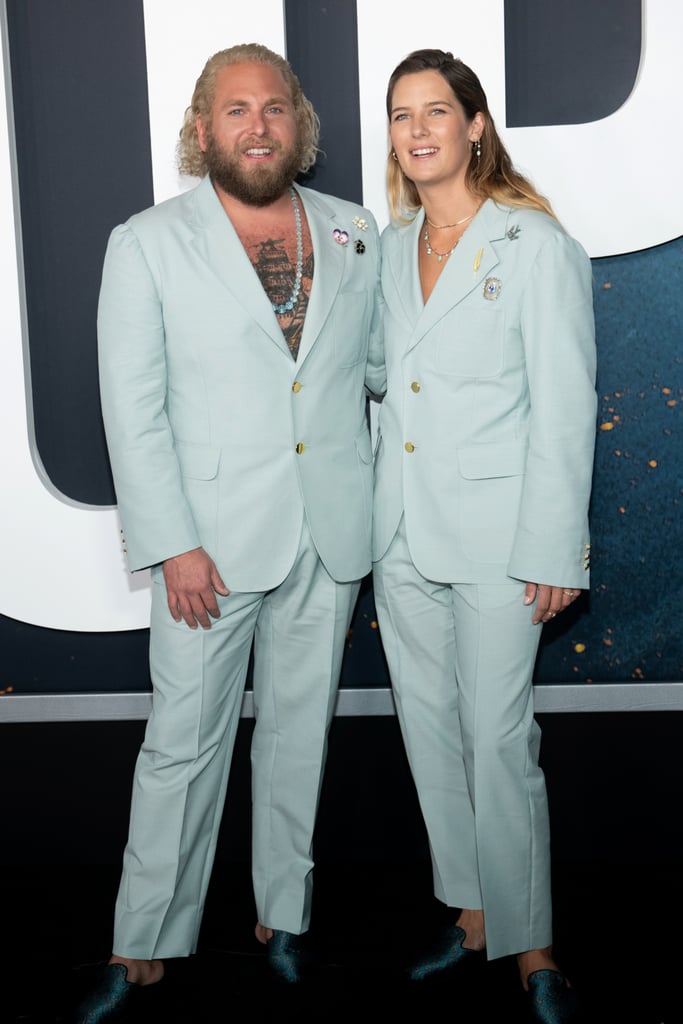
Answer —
429 131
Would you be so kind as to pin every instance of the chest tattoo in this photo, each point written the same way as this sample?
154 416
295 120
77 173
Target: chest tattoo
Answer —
277 273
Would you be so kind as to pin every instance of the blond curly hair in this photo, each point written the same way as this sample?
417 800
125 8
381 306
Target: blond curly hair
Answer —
190 158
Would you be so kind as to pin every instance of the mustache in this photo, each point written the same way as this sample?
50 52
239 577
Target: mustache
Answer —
261 144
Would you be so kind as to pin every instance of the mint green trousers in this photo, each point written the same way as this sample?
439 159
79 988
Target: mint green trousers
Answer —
298 632
461 658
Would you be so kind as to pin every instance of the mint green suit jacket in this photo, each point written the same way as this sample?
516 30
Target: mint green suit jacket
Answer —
217 437
487 429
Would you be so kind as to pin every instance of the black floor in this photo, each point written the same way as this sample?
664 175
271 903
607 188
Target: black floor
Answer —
617 837
57 927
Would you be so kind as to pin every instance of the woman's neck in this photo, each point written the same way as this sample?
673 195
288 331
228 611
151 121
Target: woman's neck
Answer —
446 209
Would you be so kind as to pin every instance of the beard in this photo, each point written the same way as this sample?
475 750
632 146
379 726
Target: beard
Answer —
261 185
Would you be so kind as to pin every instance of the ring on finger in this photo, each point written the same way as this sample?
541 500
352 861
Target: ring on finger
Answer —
569 593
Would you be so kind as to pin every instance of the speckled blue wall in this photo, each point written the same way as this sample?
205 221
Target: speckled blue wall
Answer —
632 628
629 626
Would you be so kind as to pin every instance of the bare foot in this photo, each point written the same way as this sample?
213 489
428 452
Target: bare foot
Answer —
472 923
140 972
535 960
262 933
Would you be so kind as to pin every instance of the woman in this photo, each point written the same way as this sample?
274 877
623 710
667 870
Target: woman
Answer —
483 474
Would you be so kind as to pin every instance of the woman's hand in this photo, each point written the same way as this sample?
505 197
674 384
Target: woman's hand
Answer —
549 600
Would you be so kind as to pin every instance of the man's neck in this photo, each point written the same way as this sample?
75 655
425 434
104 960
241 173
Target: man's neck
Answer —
240 212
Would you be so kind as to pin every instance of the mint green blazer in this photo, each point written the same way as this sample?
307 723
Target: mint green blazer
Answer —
217 437
487 429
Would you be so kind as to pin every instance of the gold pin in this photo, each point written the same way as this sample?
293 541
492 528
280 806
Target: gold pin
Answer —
477 260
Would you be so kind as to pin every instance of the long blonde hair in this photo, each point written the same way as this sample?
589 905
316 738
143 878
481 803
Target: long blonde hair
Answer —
489 176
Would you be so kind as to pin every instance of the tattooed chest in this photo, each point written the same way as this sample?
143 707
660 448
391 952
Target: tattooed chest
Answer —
286 277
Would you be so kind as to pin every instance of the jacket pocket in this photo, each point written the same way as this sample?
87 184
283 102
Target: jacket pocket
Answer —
492 478
487 461
198 461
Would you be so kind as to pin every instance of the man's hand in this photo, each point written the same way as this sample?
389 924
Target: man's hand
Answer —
192 582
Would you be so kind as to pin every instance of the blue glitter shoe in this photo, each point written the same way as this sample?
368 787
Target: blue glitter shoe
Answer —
111 997
551 999
288 958
445 955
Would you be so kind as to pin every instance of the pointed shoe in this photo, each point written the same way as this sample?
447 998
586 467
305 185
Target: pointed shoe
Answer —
289 960
445 955
551 1000
111 998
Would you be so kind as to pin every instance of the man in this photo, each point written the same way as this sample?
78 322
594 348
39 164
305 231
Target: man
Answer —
238 327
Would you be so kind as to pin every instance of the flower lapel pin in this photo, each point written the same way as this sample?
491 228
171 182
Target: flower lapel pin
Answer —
341 237
362 225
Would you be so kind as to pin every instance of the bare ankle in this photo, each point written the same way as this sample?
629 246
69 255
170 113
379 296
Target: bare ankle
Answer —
472 923
262 933
535 960
140 972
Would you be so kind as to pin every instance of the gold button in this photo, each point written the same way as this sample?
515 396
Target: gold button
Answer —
299 448
409 446
415 387
296 386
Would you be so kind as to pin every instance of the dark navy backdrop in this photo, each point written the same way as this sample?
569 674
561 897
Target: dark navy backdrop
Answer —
91 56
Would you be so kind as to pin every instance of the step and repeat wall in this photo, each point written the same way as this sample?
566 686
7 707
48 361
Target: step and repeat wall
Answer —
93 98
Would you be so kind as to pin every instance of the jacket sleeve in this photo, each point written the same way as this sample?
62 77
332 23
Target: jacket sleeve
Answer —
156 517
552 544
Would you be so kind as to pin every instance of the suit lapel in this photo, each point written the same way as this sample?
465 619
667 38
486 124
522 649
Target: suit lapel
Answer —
218 244
404 269
468 268
328 268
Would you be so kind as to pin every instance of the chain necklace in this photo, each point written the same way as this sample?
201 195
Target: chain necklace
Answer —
282 308
428 246
456 225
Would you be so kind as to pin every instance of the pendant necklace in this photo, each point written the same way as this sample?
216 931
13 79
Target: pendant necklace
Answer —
282 308
430 250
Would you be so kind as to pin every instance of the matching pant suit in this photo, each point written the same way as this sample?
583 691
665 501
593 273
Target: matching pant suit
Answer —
219 439
482 483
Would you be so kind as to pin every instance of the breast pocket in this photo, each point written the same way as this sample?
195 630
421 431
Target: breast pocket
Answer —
470 343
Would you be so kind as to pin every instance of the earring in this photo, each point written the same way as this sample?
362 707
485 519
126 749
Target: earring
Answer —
393 153
476 146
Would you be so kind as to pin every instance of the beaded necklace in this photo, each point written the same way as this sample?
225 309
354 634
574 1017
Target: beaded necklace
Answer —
282 308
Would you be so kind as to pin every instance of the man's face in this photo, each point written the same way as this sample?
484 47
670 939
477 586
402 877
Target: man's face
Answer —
251 143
